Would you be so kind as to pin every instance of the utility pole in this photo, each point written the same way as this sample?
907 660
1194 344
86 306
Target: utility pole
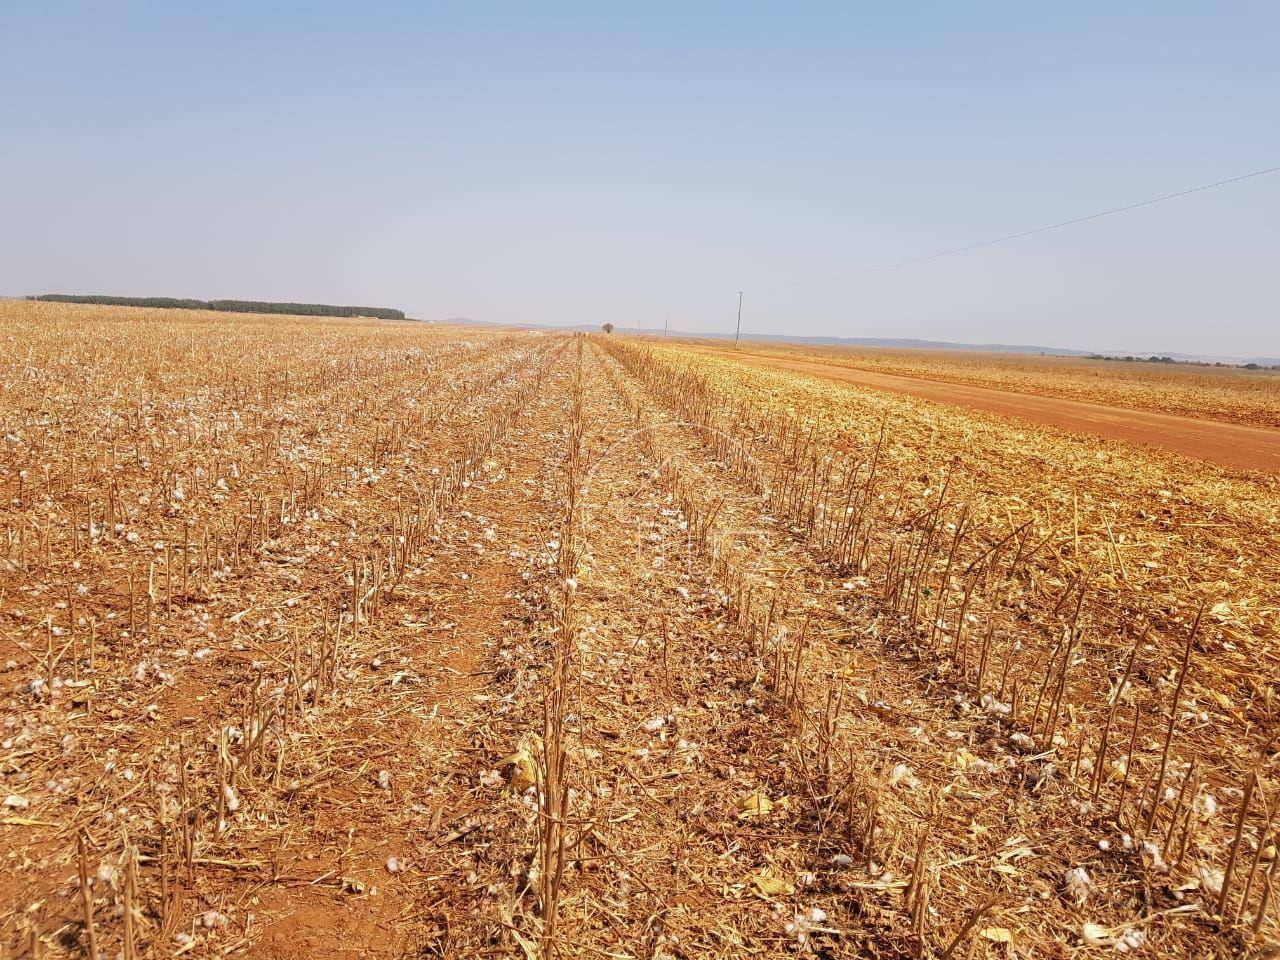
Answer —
738 329
666 326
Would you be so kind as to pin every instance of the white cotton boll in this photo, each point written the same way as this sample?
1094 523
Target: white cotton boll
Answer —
395 865
1151 851
1210 880
229 795
1207 806
1022 742
841 860
654 724
1045 774
384 779
1131 940
802 924
978 767
106 875
903 774
1078 885
994 707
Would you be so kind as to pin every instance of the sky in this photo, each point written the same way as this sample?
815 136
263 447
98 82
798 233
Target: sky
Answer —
565 163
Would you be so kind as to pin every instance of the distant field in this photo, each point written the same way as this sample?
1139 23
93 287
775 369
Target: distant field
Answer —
1236 445
328 637
1229 394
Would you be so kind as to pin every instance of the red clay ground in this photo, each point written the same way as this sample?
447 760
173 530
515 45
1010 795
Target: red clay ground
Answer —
1226 444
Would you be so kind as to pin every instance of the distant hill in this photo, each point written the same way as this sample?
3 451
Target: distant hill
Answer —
905 344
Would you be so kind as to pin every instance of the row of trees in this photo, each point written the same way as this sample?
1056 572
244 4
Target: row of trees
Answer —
231 306
1183 363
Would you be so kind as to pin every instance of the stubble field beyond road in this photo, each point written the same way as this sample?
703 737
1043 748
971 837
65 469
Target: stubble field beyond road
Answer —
1233 445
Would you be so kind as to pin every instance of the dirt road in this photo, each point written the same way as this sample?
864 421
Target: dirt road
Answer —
1226 444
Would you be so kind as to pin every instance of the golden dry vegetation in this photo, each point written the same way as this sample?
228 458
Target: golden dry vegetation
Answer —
327 637
1228 394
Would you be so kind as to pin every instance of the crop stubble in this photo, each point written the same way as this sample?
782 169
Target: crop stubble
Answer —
337 637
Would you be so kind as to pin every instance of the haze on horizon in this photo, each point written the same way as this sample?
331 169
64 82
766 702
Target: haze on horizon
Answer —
572 164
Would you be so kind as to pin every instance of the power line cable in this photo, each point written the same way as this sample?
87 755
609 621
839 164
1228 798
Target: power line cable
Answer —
1028 233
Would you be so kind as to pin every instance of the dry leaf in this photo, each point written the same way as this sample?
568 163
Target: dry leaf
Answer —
769 884
1096 935
524 771
754 805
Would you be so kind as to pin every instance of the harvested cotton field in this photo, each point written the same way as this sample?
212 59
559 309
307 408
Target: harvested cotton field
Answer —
349 637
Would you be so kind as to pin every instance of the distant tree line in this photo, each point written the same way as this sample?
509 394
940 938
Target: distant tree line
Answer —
1183 363
1133 359
229 306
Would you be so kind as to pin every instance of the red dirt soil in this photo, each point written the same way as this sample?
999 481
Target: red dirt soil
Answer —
1226 444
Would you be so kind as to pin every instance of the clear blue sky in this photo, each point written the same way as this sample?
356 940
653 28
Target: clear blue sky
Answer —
582 163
